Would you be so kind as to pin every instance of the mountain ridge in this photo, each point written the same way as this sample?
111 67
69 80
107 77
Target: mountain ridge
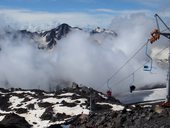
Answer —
48 39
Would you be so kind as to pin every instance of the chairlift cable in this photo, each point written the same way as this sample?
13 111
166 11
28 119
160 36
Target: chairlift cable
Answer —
151 61
157 16
123 79
160 51
115 73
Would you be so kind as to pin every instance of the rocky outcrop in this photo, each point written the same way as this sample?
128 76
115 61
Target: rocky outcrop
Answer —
138 117
14 121
55 126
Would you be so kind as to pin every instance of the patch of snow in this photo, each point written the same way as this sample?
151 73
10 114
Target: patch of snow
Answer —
70 110
66 94
156 94
128 110
1 118
20 92
3 93
68 99
103 96
99 30
115 107
82 100
3 112
54 100
69 94
48 94
152 101
147 106
33 116
14 100
33 101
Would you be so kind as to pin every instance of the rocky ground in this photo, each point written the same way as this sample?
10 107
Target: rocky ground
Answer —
136 117
39 109
70 108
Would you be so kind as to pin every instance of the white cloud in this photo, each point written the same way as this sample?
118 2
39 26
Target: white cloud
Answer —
97 63
23 18
27 19
120 12
105 10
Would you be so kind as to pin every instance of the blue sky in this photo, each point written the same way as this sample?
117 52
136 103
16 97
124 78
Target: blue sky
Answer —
77 12
79 5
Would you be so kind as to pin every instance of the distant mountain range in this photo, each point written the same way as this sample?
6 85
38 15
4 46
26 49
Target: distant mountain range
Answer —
48 39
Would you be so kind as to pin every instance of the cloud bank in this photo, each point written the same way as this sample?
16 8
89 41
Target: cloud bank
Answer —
78 58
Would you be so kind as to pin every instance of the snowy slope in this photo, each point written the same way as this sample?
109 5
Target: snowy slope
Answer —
143 95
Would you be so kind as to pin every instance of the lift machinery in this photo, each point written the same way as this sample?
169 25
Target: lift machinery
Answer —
155 35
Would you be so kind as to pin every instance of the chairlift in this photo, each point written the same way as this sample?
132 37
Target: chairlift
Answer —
109 91
132 86
148 67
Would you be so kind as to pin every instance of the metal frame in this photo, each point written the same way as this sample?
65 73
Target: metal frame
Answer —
167 35
109 88
151 60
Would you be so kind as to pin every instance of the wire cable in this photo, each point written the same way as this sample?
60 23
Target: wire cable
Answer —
160 51
115 73
123 79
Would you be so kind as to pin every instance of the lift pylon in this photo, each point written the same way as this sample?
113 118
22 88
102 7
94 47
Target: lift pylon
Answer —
155 35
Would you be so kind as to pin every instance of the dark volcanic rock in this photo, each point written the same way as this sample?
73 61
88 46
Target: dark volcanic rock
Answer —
4 90
102 107
48 114
64 103
136 118
14 121
61 116
30 106
45 104
4 104
55 126
21 110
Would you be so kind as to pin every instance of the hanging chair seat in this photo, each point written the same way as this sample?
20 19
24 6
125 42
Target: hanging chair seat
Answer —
132 88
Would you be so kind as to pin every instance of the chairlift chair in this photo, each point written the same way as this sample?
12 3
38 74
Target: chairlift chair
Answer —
109 91
132 86
147 67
